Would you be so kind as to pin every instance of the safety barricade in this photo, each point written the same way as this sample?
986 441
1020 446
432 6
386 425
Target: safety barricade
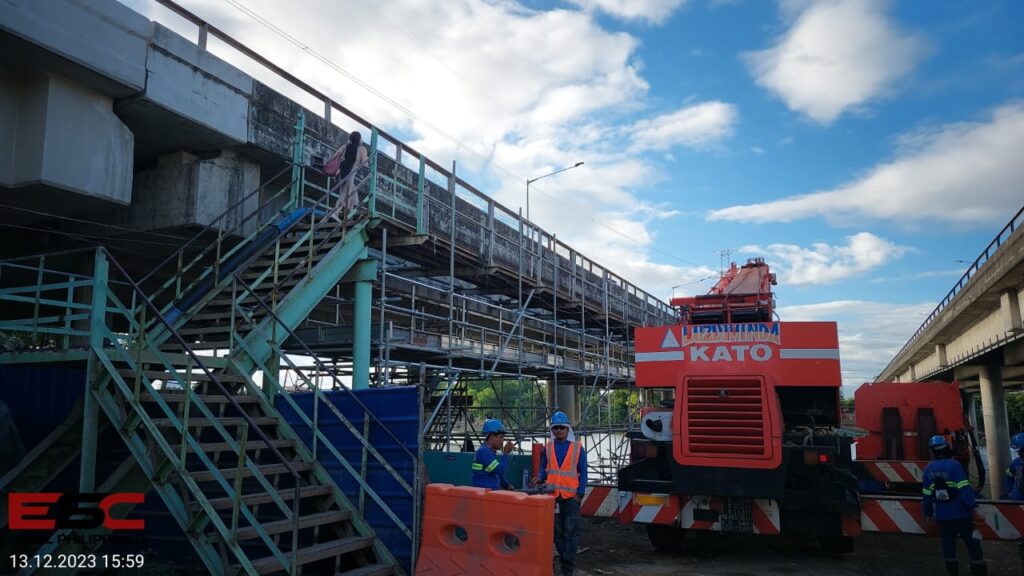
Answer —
894 471
1002 520
600 502
471 531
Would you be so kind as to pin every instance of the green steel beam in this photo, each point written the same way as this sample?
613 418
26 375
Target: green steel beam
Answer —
44 357
297 153
361 337
421 219
372 188
93 373
304 297
363 271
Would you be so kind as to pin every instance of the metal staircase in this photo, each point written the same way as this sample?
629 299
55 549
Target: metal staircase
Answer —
203 430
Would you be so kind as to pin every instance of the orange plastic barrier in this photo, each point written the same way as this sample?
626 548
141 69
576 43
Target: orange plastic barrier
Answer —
471 531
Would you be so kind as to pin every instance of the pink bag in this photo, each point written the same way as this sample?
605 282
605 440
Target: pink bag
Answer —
333 165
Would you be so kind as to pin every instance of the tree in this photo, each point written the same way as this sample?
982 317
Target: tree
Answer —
1015 410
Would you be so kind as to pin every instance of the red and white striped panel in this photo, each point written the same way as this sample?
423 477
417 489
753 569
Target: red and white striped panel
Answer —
765 515
600 502
632 513
905 471
905 515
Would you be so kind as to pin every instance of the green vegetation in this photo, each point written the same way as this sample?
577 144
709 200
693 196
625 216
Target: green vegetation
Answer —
522 403
1015 410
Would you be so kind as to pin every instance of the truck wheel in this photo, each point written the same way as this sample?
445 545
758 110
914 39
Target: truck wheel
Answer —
835 545
666 538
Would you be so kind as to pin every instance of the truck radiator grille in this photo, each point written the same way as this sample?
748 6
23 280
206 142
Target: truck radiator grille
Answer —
725 419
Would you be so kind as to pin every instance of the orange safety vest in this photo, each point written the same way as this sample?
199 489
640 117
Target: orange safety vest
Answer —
565 479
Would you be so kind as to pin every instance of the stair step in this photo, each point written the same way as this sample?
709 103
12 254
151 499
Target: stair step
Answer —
316 552
269 470
214 447
210 345
197 375
226 503
179 397
318 519
197 330
370 570
225 422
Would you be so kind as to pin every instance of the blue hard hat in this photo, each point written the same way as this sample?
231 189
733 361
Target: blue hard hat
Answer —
559 419
1017 442
493 426
937 442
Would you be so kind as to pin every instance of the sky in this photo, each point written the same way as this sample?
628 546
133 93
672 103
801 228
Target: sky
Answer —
869 150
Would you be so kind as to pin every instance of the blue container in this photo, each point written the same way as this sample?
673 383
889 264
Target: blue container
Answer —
397 408
39 398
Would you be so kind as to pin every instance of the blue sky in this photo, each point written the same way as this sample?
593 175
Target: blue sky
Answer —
861 146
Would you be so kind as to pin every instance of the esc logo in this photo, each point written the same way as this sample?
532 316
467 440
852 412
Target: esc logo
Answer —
73 510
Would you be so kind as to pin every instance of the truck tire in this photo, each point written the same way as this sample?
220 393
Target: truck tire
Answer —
666 538
835 544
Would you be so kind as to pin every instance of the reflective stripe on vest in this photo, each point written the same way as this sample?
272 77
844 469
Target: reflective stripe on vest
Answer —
565 479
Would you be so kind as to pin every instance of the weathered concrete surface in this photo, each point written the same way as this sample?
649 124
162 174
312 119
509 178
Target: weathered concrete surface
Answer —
184 190
58 133
196 85
100 43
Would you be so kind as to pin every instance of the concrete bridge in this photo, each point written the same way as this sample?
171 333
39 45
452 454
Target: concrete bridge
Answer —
976 335
116 130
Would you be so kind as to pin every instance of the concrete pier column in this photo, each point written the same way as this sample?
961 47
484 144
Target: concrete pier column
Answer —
361 335
566 400
997 432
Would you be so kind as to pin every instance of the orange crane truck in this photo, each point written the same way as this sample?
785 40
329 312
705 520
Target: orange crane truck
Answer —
742 435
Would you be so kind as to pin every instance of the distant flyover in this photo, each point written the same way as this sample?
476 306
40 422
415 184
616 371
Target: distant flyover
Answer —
976 335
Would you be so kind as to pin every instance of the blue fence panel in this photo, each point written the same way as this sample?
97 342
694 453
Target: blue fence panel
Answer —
397 408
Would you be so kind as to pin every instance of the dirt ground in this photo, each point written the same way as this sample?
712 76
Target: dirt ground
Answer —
617 550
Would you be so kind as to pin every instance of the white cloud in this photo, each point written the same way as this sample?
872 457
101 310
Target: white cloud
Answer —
824 263
695 126
963 173
531 90
650 11
870 333
757 150
836 55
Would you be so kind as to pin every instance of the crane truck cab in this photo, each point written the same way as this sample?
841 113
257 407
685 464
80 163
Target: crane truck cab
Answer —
740 430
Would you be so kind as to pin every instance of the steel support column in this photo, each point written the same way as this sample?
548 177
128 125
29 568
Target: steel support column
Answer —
361 335
94 373
997 431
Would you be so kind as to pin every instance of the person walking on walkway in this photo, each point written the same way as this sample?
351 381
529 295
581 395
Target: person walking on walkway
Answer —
563 467
949 500
488 467
351 155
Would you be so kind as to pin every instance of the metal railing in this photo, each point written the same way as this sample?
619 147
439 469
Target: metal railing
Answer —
990 250
432 175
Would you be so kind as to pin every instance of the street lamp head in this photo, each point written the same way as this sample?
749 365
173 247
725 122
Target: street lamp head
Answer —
578 164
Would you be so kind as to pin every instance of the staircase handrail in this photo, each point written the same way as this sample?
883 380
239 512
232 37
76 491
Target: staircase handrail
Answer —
147 303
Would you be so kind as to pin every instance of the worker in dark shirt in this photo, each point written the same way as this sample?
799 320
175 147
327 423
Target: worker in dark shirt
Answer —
488 467
949 500
1015 473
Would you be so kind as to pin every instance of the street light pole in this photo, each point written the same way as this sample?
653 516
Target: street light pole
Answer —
532 180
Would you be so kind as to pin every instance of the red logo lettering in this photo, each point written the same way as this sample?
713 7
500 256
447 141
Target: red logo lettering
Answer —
73 510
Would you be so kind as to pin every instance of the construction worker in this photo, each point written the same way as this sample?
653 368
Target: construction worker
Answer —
949 499
563 467
488 467
1015 473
